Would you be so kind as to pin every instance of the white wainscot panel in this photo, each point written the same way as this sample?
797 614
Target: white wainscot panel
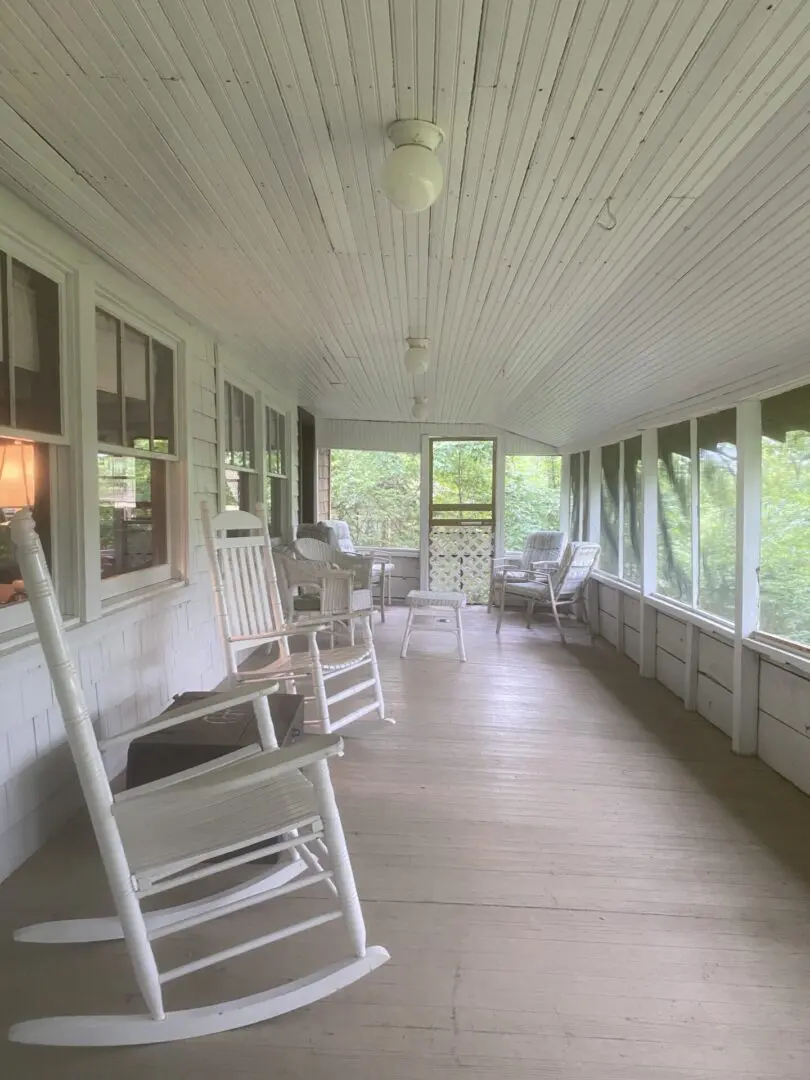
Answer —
671 635
714 702
785 695
669 670
632 640
716 659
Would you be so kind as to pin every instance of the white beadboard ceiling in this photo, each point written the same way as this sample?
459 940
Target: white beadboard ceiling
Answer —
228 152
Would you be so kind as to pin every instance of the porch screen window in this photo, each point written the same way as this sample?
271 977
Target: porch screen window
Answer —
717 510
275 470
377 493
675 512
135 401
240 450
631 518
575 496
610 502
784 574
531 497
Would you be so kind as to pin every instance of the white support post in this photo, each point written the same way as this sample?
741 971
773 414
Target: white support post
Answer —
594 497
690 669
745 715
424 515
649 551
620 554
565 495
499 494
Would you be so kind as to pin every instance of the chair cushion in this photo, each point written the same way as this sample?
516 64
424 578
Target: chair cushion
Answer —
342 533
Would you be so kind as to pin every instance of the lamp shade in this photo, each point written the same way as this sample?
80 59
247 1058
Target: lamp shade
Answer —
416 356
17 474
412 178
419 409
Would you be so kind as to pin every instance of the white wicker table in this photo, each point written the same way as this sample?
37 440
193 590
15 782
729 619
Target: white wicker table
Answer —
435 611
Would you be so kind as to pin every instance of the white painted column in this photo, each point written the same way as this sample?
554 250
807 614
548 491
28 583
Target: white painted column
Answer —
692 636
620 552
565 494
424 513
649 551
499 494
745 715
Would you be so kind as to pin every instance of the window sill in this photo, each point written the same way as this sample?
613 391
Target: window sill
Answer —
21 637
621 584
138 596
709 625
780 651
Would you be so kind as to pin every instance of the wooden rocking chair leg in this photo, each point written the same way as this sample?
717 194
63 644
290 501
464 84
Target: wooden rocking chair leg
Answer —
319 687
264 722
407 635
343 875
529 613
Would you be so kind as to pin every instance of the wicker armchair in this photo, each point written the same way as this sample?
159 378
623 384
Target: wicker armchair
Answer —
336 535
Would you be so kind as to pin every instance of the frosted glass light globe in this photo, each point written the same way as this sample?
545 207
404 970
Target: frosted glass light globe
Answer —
419 410
417 360
412 178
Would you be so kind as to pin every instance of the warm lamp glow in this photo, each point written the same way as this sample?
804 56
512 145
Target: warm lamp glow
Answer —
17 474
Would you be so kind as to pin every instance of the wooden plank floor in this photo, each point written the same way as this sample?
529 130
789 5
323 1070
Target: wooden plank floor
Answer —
575 879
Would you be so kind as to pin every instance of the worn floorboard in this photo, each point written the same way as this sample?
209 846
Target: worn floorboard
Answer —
575 878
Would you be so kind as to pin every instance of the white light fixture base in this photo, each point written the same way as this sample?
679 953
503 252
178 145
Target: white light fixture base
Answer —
419 409
416 133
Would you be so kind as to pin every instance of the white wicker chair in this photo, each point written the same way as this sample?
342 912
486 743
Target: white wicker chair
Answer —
185 828
251 616
382 569
562 589
542 547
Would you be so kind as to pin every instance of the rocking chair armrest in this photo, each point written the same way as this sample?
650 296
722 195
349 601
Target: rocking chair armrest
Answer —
265 767
180 714
500 562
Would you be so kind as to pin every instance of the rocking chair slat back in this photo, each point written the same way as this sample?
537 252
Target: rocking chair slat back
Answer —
578 562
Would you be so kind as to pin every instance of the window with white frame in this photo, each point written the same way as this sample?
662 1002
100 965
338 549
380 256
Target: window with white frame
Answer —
632 489
239 421
717 513
32 444
276 489
609 524
137 437
579 509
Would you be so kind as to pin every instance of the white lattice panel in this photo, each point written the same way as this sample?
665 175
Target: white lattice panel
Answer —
460 560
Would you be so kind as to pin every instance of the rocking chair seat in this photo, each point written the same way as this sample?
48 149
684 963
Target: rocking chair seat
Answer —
332 661
174 829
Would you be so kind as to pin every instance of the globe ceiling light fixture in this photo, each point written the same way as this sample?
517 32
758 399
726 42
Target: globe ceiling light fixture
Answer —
419 408
417 360
412 176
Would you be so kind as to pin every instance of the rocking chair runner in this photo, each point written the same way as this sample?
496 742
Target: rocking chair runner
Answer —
184 828
251 615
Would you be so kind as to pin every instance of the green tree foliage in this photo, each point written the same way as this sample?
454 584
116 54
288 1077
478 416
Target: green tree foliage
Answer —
531 498
785 552
377 493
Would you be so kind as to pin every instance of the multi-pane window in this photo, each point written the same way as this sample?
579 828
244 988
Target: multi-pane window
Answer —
135 401
240 450
675 512
531 497
586 495
784 574
275 470
31 422
717 509
609 532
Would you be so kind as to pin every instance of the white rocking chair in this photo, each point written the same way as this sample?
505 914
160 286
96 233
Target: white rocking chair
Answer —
234 810
560 590
251 615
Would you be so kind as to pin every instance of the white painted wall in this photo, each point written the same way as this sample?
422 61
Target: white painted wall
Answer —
134 658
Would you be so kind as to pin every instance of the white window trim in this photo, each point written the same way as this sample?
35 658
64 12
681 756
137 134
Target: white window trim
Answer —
101 593
286 508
